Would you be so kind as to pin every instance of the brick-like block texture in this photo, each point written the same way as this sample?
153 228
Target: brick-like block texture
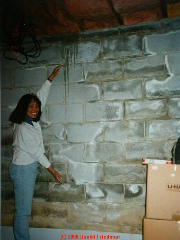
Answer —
116 101
122 46
160 88
162 43
146 109
104 70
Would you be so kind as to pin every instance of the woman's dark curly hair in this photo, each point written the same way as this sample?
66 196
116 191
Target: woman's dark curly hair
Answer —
18 115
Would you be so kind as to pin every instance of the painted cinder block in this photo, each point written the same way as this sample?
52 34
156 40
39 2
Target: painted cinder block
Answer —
66 113
121 90
103 70
104 111
87 132
172 63
11 97
105 192
163 129
69 192
104 152
66 152
174 108
87 51
119 214
53 133
50 54
83 93
122 47
81 173
135 193
145 66
124 130
162 42
87 212
124 173
155 150
29 77
41 191
162 88
145 109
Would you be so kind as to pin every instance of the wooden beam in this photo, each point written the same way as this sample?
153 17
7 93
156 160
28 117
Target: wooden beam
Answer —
117 15
164 9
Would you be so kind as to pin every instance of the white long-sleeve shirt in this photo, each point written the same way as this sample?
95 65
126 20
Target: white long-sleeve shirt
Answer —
28 144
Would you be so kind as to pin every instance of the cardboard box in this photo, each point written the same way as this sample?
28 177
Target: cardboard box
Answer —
163 192
154 229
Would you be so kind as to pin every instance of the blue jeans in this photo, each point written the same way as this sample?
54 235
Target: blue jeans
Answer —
23 177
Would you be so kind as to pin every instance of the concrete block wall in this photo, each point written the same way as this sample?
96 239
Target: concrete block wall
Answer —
117 100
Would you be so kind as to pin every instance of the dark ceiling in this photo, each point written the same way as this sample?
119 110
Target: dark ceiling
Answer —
62 17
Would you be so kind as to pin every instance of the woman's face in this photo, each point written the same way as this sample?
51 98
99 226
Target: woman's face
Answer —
33 109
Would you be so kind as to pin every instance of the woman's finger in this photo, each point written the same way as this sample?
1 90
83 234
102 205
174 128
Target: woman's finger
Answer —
59 179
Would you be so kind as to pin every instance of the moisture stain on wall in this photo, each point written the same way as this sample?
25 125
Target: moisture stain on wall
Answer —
69 54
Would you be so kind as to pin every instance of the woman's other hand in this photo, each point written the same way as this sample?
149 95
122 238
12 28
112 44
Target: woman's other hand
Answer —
55 174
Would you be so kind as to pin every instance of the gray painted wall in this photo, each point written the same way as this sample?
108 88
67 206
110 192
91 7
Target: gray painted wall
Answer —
117 100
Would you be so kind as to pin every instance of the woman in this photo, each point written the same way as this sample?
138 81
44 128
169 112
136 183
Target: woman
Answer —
28 150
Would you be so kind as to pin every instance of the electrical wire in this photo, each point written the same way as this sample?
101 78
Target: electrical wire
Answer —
14 35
